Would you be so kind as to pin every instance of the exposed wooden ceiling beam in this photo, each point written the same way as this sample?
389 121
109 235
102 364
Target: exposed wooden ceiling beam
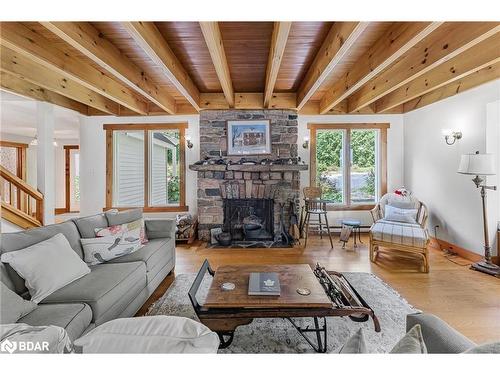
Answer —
149 38
395 42
213 38
16 64
475 58
90 42
448 41
339 40
30 44
27 89
479 77
247 100
278 44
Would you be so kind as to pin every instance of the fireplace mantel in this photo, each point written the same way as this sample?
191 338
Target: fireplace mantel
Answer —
249 168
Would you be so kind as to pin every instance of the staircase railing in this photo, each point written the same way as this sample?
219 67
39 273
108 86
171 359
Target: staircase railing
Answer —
22 204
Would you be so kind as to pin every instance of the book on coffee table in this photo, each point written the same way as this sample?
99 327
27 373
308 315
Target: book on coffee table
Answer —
264 284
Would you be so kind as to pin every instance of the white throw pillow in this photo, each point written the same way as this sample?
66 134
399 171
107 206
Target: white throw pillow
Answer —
410 214
47 266
149 334
101 249
13 307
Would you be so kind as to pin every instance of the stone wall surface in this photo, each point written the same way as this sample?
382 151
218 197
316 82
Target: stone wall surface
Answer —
250 182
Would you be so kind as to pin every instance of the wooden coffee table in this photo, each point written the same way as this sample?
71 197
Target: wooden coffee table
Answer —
225 310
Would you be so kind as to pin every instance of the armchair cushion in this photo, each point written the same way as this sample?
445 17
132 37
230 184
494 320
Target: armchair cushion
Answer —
399 233
407 215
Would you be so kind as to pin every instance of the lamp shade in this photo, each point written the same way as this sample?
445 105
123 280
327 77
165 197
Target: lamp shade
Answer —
477 164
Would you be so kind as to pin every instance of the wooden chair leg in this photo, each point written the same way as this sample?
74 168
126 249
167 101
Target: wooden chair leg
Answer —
371 251
328 230
306 234
425 255
320 227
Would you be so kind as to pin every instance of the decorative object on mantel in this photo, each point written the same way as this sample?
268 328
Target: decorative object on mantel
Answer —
186 228
481 165
250 137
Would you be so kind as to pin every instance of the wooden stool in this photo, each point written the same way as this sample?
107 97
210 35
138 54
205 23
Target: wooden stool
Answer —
315 206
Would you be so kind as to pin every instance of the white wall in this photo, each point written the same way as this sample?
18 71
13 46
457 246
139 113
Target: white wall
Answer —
394 154
431 166
93 159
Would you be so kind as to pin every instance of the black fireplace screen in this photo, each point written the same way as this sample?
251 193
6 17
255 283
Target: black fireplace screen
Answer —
249 219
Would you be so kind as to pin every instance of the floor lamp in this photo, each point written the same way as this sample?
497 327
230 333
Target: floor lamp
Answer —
481 165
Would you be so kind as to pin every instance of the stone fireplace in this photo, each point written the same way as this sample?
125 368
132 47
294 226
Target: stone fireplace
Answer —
270 188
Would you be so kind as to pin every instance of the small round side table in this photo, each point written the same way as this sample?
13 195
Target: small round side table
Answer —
356 228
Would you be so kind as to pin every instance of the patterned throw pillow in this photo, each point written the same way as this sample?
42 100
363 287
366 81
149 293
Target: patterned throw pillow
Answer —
101 249
123 228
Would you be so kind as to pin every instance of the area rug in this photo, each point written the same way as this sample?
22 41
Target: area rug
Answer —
279 336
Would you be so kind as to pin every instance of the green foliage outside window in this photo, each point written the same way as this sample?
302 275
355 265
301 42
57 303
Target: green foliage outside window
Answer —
173 181
329 162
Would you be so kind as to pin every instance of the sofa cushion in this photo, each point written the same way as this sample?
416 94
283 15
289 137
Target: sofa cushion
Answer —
489 348
47 266
87 225
439 337
160 228
20 240
155 254
12 306
122 217
73 317
108 289
400 233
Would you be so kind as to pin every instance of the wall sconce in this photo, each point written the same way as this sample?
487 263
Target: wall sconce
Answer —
306 142
188 142
34 142
451 136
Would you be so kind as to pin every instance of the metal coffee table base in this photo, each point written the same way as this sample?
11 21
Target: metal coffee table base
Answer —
318 341
320 345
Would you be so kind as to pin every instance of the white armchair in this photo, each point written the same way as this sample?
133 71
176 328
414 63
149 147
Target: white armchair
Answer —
402 234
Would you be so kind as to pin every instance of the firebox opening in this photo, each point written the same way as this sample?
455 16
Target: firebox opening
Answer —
249 219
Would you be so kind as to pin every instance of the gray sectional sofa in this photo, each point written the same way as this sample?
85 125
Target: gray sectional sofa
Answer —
111 290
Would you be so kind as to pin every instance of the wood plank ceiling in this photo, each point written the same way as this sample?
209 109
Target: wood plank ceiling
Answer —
99 68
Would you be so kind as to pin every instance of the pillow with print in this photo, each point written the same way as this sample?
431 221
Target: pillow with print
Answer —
102 249
114 230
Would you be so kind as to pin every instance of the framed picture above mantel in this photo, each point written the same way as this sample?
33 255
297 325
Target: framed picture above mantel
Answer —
250 137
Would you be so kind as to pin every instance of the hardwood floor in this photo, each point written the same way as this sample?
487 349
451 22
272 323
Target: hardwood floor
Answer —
469 301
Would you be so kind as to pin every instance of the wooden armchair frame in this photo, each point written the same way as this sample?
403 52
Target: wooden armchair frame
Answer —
377 246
